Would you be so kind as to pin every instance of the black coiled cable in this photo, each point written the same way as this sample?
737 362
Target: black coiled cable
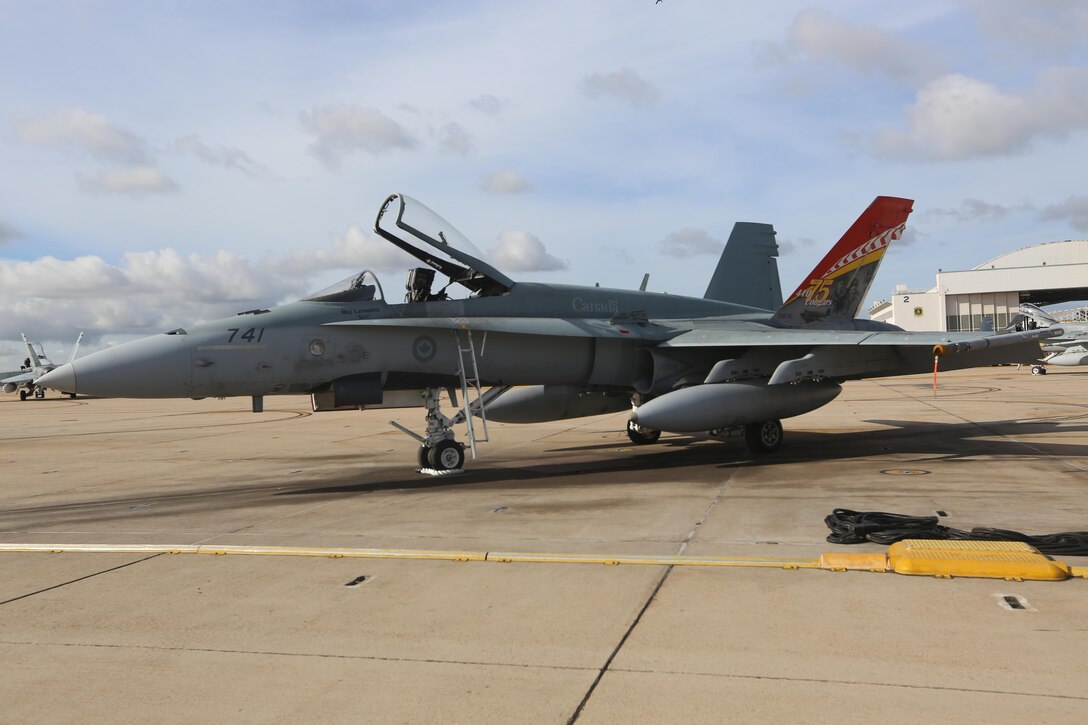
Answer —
855 527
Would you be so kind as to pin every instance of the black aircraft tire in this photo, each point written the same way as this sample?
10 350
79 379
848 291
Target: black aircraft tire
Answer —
422 457
765 437
1038 370
641 436
22 394
446 456
39 393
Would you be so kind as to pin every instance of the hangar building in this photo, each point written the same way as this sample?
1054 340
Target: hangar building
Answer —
1043 274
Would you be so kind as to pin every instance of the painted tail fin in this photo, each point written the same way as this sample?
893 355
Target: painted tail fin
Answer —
835 290
747 272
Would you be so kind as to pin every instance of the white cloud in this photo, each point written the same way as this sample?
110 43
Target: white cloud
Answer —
76 130
489 104
345 129
453 138
625 84
1041 28
147 292
523 252
9 233
133 180
1074 209
356 249
228 157
956 117
819 35
506 182
977 210
690 242
791 246
49 277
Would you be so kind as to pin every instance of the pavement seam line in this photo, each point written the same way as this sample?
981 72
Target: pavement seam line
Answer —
860 683
649 600
73 581
320 655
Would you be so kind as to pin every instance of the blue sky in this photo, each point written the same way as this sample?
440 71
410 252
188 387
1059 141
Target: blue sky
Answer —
166 162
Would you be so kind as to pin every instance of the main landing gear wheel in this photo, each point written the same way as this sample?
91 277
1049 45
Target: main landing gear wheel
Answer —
39 393
641 436
447 455
765 437
22 394
1038 370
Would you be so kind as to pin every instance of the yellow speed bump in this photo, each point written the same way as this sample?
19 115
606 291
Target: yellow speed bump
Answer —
1012 560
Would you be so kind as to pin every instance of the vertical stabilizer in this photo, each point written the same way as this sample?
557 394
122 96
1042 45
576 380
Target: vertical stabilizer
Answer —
76 348
31 353
747 272
1041 318
835 290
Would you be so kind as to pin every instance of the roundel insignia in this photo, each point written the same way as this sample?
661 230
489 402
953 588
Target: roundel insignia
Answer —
918 312
424 348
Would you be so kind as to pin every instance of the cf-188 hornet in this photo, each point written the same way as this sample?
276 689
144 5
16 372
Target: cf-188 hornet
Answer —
1068 349
684 364
34 367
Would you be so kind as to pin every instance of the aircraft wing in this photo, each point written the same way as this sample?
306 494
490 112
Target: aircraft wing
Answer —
21 378
551 326
709 337
794 355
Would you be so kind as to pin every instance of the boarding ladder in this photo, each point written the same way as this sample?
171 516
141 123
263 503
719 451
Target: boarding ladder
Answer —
469 373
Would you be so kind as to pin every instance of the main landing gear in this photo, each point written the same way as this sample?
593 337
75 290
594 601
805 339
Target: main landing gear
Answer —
37 391
640 435
765 437
1038 370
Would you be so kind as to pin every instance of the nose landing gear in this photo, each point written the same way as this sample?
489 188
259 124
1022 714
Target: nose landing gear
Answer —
439 452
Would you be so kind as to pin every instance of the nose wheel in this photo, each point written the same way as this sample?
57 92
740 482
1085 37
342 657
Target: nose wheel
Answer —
448 455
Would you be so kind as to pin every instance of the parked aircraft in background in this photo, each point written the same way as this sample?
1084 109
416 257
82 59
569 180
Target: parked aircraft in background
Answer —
35 366
1071 348
685 364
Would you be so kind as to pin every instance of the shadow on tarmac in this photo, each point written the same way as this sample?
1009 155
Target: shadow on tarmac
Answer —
927 442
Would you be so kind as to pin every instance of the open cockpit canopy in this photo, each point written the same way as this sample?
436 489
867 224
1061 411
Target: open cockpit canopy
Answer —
425 235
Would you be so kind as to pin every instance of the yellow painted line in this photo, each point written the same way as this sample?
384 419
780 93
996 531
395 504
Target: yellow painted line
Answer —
331 553
941 559
492 556
652 559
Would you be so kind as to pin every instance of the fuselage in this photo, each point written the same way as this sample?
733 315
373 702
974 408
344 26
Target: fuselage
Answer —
298 348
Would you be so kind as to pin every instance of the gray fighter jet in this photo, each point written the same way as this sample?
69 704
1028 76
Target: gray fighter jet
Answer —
35 366
1068 349
685 364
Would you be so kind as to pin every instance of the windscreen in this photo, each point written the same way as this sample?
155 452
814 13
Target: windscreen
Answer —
362 287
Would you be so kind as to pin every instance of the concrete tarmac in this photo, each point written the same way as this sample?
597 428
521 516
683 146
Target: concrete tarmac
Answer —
154 637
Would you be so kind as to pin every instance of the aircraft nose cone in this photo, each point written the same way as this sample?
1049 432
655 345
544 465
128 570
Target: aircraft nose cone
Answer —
62 379
154 367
